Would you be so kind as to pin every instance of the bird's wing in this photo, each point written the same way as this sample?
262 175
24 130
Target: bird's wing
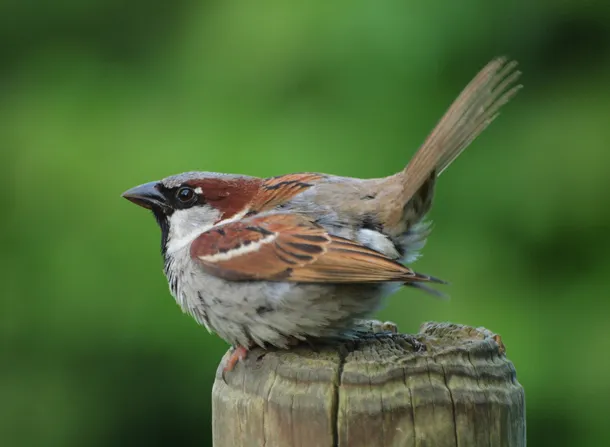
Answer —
288 247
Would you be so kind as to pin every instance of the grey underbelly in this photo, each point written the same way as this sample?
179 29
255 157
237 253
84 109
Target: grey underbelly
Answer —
276 313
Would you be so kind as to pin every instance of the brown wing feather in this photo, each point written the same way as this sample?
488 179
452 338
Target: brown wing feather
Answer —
288 247
267 247
347 261
276 190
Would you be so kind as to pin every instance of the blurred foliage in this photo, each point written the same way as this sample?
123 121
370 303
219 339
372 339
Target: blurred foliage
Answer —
99 95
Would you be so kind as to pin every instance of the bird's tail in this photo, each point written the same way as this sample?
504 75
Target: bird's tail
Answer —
473 110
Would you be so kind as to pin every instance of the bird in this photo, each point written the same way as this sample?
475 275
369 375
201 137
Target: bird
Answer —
276 261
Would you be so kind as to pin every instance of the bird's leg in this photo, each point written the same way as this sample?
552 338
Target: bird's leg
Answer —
239 353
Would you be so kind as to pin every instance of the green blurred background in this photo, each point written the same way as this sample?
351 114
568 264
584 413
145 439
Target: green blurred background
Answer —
98 96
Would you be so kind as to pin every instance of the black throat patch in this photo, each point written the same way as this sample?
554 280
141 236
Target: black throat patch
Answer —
163 222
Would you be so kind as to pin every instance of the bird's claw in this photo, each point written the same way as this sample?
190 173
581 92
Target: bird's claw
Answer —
238 353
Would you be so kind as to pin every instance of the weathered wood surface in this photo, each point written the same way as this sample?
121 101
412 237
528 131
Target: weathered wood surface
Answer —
449 385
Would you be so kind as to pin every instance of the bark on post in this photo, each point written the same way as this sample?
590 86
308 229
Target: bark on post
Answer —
449 385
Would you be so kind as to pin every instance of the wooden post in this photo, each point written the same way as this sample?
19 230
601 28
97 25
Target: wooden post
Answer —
449 385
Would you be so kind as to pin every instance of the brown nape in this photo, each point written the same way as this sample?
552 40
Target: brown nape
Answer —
229 196
232 196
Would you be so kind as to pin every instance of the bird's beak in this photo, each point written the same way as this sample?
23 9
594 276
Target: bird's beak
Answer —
146 195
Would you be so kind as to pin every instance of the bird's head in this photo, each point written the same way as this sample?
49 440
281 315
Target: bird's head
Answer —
187 204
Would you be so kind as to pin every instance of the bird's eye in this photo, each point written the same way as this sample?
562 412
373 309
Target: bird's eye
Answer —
185 195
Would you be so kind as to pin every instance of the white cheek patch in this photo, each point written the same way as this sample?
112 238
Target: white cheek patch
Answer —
186 225
239 251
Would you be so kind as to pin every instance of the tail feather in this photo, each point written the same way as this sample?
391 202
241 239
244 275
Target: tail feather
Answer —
420 277
473 110
426 288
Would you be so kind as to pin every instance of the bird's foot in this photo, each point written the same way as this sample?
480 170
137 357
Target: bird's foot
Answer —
238 353
374 328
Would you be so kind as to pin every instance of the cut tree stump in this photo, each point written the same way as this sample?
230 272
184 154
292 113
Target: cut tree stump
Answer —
449 385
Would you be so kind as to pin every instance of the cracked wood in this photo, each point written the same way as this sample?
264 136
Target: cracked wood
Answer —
450 385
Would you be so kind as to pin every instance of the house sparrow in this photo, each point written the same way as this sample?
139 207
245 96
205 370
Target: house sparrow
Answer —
273 261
